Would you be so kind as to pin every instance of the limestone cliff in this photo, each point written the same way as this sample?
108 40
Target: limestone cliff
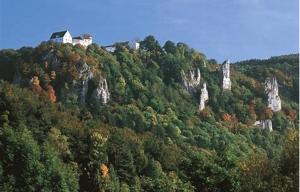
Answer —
271 89
101 93
52 59
191 80
85 75
78 88
203 97
265 124
226 82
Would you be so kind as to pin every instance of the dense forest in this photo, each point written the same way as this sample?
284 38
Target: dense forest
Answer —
85 119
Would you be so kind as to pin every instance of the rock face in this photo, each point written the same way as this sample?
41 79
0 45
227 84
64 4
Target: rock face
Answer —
52 59
265 124
101 92
271 89
191 80
226 75
78 88
203 97
85 74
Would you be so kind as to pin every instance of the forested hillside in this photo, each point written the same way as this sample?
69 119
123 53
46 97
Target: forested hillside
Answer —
76 119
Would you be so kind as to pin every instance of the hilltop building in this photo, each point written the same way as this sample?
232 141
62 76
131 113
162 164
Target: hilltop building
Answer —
133 45
65 37
61 37
84 40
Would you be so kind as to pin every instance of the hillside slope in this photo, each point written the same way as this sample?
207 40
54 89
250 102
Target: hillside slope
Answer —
130 120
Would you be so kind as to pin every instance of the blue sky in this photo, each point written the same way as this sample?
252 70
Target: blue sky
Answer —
234 29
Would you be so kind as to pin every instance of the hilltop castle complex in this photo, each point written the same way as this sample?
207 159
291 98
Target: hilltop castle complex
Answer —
86 39
65 37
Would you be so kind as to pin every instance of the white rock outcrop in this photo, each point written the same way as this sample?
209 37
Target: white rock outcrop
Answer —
265 124
226 82
203 97
101 93
85 74
191 80
204 63
271 89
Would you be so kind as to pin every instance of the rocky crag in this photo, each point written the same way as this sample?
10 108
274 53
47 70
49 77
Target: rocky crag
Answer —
191 80
271 89
226 82
203 97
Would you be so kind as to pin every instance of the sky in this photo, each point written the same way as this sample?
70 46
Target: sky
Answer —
221 29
